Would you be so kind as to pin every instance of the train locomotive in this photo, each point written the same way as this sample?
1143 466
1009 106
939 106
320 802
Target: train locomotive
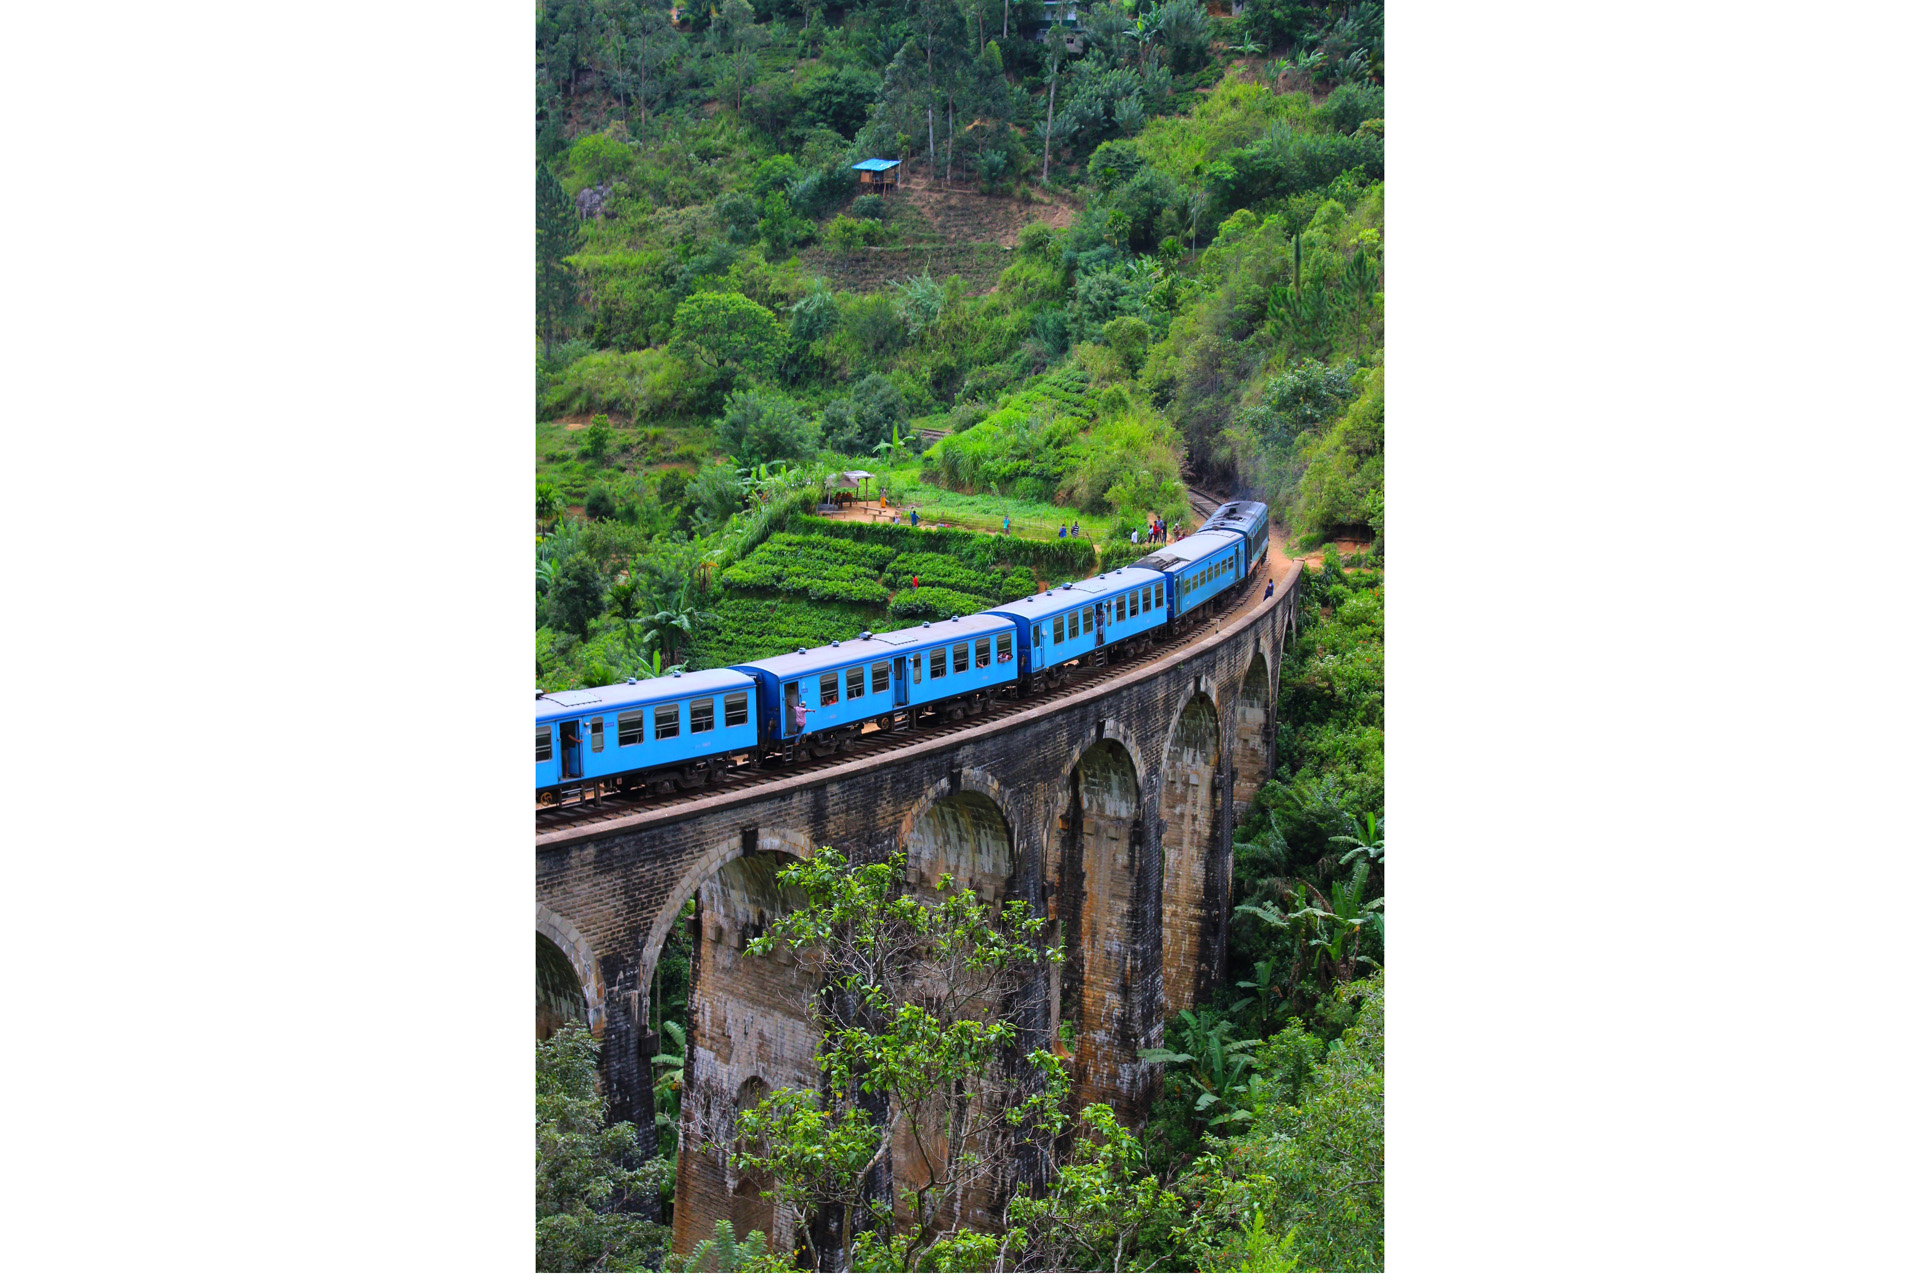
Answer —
683 732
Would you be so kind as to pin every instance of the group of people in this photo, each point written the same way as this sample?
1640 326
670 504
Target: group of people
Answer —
1156 531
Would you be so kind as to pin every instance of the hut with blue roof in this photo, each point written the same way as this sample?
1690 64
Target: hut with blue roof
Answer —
884 174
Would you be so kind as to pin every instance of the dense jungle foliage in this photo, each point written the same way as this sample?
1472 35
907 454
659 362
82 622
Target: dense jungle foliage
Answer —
1180 219
1134 251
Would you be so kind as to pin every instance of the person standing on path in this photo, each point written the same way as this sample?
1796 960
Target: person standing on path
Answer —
1006 524
1269 594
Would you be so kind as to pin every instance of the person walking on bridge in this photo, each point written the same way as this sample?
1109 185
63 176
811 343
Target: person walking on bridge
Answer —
1269 594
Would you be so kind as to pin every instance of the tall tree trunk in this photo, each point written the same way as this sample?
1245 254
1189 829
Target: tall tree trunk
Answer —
1006 7
949 139
1046 155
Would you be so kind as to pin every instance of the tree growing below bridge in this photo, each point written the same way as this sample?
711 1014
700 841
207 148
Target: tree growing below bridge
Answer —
918 1062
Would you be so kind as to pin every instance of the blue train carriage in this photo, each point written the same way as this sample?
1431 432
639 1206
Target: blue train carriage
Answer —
675 731
844 685
1200 570
936 669
1249 520
1076 619
954 667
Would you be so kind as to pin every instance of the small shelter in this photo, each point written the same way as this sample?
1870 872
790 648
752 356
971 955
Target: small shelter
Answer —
883 174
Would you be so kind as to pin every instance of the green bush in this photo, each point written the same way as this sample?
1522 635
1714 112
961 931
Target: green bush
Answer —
937 602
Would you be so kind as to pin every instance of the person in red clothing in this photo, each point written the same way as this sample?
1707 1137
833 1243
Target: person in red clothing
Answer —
916 582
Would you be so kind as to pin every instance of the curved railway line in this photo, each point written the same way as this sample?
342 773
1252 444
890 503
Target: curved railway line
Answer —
559 822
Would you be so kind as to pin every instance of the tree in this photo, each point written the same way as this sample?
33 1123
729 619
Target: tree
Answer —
556 237
595 439
1315 1169
872 412
761 426
1056 50
548 503
911 1050
715 497
728 333
577 594
584 1168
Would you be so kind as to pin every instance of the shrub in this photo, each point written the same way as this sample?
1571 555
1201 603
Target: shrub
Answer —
639 383
595 439
600 502
870 208
937 602
1351 105
760 426
868 415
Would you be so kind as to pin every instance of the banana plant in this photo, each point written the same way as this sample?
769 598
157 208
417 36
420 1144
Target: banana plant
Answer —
1214 1065
667 1084
1367 836
1268 986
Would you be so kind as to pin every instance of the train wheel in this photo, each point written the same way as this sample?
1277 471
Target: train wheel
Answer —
546 797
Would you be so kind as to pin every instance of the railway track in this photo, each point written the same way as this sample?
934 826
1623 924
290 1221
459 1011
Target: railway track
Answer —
556 818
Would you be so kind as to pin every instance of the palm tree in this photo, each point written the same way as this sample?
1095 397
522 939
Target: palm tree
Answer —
547 503
672 626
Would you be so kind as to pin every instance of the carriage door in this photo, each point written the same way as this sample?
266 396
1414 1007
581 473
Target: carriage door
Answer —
899 682
569 748
790 695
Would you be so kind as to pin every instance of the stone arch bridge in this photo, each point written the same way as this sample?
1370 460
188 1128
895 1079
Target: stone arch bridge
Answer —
1111 809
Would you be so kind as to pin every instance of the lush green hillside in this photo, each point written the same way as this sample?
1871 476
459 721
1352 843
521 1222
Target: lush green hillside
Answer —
1149 254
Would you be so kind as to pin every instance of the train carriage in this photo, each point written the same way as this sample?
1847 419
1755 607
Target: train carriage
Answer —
1200 568
684 728
948 667
1248 519
1076 619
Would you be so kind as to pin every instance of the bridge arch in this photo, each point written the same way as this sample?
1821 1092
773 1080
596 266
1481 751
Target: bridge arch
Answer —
967 830
1252 731
1191 865
702 869
570 942
1094 883
748 1030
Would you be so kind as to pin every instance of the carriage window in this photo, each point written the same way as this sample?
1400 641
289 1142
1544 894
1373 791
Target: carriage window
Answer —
736 709
666 721
542 742
856 683
1073 623
1004 643
982 652
936 663
1159 595
1059 628
916 668
960 656
880 674
1086 619
701 721
1133 604
829 688
599 729
630 725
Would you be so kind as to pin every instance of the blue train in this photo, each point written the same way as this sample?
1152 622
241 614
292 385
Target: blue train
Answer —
685 731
